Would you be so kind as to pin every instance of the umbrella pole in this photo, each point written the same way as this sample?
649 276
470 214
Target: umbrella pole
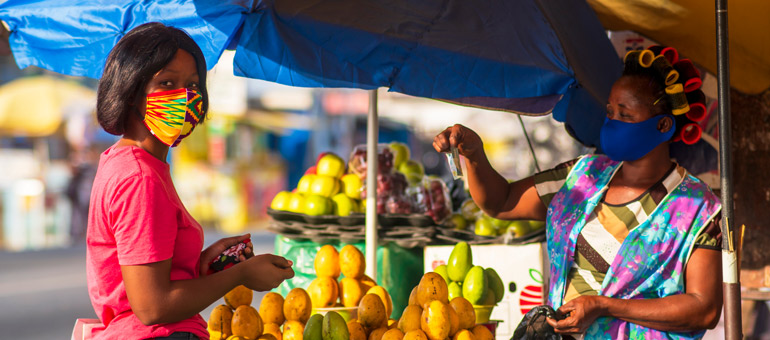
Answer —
730 278
372 132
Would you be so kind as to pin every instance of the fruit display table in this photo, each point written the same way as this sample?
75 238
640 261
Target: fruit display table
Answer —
519 266
399 269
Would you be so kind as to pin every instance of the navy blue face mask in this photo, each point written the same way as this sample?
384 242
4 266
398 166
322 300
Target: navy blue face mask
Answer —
623 141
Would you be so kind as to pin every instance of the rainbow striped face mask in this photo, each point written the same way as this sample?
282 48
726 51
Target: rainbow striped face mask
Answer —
172 115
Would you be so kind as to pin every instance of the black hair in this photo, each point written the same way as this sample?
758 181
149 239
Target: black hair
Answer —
130 66
650 80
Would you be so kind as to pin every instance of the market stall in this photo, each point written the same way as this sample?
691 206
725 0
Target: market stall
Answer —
562 86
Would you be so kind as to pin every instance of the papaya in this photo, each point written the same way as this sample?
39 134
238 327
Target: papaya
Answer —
464 334
273 329
410 318
327 262
293 329
367 283
352 262
220 321
393 334
247 322
334 327
239 296
416 334
481 332
432 287
465 313
435 320
377 333
271 308
297 306
323 292
351 292
371 312
356 330
385 297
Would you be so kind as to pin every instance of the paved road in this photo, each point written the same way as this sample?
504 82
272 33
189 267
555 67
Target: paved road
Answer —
43 292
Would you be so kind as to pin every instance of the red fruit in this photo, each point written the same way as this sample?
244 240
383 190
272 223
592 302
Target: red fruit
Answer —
310 170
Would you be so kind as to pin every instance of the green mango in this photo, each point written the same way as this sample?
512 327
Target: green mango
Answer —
495 284
475 285
334 327
460 262
313 328
488 299
455 290
441 270
499 224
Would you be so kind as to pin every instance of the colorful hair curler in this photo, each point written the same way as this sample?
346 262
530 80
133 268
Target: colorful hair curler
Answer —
644 57
665 70
697 101
670 53
679 105
689 74
691 133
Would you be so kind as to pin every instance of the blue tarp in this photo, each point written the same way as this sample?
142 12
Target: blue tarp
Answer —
527 56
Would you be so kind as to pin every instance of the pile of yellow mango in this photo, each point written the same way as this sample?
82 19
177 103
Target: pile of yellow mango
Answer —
353 308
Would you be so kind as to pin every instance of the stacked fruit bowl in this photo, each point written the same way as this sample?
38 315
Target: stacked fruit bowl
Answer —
333 192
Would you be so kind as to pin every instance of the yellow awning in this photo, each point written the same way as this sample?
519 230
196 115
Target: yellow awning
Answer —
35 106
690 27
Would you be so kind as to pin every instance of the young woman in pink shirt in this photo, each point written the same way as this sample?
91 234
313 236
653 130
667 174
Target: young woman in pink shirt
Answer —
146 265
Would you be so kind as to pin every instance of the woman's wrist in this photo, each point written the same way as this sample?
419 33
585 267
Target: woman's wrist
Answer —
604 305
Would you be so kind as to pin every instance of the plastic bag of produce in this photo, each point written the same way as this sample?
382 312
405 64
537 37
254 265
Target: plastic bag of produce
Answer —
357 161
431 197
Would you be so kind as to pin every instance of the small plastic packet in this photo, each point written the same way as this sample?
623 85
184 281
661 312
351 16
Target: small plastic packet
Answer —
453 158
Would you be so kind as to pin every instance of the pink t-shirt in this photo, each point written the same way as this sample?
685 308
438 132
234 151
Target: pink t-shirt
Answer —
136 218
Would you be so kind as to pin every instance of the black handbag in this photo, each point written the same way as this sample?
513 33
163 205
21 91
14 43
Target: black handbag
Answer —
534 327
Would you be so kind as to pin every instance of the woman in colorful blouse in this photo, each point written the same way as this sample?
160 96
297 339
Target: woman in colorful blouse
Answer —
633 239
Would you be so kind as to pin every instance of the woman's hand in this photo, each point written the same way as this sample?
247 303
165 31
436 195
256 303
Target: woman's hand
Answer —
220 246
467 142
581 313
265 272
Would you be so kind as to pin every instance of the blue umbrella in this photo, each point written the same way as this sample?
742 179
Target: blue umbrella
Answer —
531 57
73 37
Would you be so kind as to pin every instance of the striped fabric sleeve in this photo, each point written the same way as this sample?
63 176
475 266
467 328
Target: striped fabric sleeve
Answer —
711 236
548 182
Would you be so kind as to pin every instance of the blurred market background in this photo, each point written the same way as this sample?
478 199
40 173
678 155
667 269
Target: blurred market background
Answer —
259 140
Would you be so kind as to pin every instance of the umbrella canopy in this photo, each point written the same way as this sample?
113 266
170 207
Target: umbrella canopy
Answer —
530 57
35 106
73 37
690 26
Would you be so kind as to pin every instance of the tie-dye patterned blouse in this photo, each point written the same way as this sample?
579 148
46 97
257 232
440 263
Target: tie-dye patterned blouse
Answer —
609 224
649 262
